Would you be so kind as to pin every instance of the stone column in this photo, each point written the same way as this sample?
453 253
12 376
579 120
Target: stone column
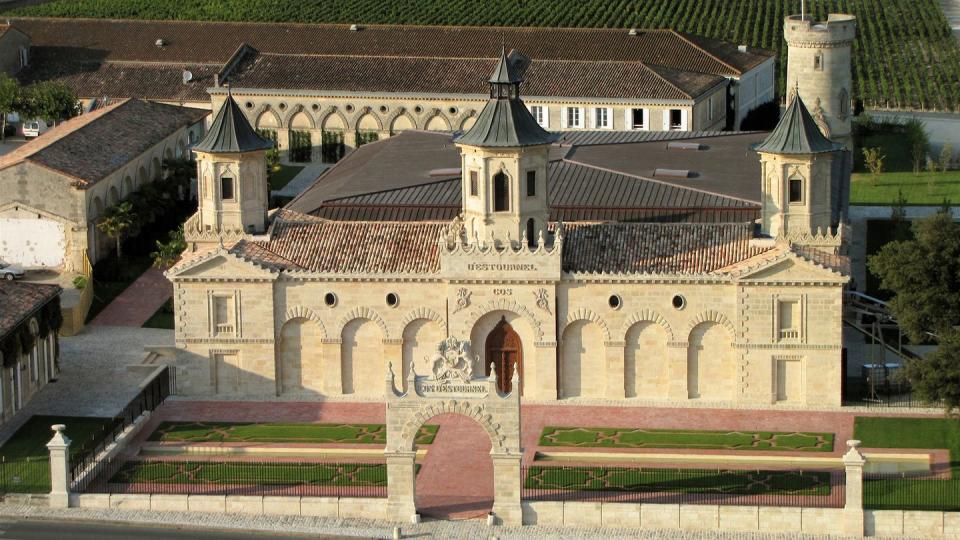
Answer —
853 462
506 489
59 447
401 486
616 389
546 376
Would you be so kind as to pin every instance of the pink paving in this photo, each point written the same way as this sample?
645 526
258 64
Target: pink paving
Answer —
138 302
456 477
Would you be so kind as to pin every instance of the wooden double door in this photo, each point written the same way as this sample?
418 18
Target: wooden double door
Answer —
504 356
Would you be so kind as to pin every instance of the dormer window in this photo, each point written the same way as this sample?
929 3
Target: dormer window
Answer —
501 193
226 188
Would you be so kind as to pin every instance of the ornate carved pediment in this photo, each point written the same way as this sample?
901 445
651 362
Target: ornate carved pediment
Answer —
452 362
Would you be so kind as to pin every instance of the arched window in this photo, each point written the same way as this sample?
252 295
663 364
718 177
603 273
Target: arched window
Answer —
531 234
501 193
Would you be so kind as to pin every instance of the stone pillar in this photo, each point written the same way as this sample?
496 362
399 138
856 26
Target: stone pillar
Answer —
853 462
677 369
546 376
401 485
506 489
59 447
616 388
331 356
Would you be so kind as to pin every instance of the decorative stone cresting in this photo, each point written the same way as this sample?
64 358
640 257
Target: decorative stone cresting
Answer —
648 315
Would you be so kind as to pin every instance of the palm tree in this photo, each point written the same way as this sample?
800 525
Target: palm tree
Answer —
168 253
116 221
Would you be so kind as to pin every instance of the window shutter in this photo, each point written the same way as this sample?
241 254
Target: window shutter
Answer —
646 119
546 117
563 118
592 121
666 119
683 119
627 119
609 118
583 113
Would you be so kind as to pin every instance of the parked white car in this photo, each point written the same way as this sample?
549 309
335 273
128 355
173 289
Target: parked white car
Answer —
10 272
34 128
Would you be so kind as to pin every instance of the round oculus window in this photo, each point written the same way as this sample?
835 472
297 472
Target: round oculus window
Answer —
678 302
349 108
330 299
392 299
615 301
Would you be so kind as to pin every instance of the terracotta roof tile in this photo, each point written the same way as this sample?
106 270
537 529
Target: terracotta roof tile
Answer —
655 248
347 247
127 129
19 299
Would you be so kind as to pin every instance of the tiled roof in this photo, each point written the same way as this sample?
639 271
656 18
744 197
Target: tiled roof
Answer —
561 78
347 247
126 129
19 299
215 42
655 248
797 133
232 132
837 263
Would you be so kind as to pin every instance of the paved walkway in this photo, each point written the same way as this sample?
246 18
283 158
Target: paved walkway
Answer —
456 478
138 302
94 379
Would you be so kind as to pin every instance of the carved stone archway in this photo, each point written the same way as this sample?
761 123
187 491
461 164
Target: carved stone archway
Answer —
452 387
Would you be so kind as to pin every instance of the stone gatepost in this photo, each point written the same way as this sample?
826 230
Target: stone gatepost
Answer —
401 485
853 462
59 447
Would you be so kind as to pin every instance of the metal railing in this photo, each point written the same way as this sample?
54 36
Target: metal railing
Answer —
795 488
911 492
149 398
199 476
29 474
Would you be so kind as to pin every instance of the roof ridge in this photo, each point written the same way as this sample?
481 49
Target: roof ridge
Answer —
661 182
657 74
684 37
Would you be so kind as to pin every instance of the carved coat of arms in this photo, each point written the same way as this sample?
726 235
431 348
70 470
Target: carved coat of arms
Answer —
452 361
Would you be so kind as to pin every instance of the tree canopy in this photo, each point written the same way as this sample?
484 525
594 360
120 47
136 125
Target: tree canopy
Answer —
924 275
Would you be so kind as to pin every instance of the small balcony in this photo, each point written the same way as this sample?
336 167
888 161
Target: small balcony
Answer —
789 334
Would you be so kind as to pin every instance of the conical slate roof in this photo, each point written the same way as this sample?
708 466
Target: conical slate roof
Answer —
231 132
505 120
797 133
503 72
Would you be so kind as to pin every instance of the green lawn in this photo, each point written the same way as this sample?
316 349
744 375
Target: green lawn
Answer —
162 318
280 433
916 189
912 493
25 466
282 177
685 438
679 481
272 473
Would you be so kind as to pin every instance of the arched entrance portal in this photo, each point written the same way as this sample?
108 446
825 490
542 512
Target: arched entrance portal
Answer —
455 480
504 352
453 390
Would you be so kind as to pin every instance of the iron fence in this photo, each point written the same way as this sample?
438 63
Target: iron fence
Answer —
209 477
911 492
824 489
864 392
84 453
25 475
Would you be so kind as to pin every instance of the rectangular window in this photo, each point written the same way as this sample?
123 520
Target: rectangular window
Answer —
796 190
226 188
789 315
531 183
474 184
538 114
601 118
676 119
638 118
223 315
574 117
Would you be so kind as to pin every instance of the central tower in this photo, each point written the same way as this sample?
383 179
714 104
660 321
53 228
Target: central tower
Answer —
504 159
